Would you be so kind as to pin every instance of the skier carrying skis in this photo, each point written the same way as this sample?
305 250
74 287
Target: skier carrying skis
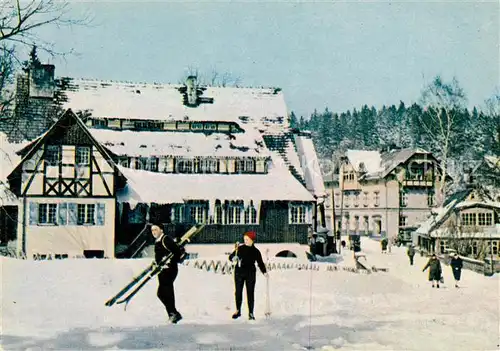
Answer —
163 246
245 272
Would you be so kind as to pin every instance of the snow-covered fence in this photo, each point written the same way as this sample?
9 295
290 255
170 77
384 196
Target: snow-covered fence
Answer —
219 266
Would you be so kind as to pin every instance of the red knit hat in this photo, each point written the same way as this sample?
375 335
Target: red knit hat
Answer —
252 235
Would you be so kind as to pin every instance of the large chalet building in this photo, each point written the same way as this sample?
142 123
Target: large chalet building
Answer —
382 194
121 156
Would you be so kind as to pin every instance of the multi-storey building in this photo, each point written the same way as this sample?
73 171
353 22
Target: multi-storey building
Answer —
126 155
382 193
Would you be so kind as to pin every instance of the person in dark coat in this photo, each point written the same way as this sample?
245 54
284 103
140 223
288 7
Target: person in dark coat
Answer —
456 264
434 270
164 245
245 257
384 244
411 254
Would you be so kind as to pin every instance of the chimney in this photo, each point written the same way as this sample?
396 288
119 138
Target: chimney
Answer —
192 94
41 81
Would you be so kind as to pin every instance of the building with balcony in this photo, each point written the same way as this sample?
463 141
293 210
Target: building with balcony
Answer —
384 194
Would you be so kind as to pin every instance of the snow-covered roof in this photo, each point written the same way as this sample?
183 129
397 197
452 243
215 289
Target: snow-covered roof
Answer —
146 143
377 164
457 201
370 159
492 232
147 187
310 165
165 102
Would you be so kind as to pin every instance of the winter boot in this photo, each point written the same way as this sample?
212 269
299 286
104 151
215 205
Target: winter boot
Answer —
251 317
437 286
236 315
175 317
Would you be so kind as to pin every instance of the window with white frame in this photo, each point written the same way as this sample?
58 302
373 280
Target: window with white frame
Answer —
250 215
403 221
494 247
197 213
474 248
82 156
246 165
47 214
347 199
86 214
356 199
356 223
484 219
141 163
403 198
430 199
365 199
298 214
177 213
208 165
218 213
337 200
185 166
153 164
376 198
233 214
468 219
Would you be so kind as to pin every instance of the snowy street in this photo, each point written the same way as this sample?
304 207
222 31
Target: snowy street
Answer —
54 305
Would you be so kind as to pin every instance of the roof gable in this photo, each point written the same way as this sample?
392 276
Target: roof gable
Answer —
67 129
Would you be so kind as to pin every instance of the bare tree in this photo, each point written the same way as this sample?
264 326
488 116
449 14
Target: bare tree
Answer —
19 21
213 78
443 103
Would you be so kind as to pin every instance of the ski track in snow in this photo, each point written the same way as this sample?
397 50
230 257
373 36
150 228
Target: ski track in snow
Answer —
59 305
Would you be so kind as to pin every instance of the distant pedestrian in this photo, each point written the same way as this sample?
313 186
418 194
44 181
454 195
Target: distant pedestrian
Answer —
384 244
246 256
411 254
434 270
456 267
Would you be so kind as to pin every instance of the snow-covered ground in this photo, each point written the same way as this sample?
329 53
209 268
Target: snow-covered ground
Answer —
59 305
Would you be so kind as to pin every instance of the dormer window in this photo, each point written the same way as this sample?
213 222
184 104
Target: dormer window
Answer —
197 126
210 126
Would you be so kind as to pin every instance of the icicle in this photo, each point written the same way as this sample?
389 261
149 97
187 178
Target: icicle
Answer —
133 204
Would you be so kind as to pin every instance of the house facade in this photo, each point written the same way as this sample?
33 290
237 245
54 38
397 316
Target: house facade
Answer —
383 194
468 223
184 154
67 185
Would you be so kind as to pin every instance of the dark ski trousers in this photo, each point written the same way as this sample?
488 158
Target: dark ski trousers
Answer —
248 279
165 292
411 260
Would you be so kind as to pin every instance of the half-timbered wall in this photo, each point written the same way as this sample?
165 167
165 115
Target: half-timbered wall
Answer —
67 170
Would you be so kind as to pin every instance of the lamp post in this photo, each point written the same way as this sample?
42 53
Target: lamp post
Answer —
334 224
343 161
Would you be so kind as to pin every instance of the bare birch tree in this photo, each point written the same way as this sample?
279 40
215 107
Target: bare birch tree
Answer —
443 103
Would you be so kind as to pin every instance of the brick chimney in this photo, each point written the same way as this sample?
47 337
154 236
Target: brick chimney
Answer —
41 81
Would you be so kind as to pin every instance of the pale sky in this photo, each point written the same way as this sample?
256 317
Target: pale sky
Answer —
332 54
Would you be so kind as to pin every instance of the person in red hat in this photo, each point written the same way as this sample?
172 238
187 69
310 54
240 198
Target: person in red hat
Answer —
245 256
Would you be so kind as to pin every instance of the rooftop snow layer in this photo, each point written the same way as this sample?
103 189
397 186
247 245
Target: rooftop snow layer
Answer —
148 187
165 102
310 166
145 143
371 159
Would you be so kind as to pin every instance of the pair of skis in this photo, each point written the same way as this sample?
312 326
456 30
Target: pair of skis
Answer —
149 272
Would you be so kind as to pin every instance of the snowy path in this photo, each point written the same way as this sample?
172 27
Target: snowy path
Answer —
57 305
